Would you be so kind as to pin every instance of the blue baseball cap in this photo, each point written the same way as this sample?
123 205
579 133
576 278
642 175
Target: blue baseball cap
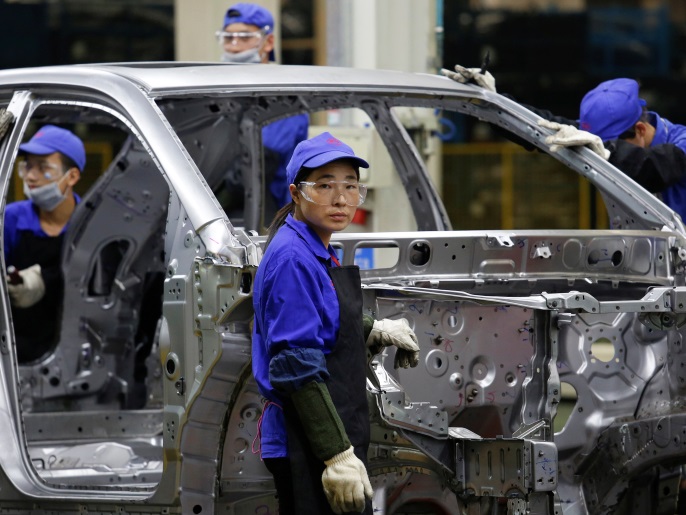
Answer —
611 108
250 14
318 151
50 139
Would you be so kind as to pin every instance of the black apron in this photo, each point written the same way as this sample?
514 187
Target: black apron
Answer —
347 384
37 327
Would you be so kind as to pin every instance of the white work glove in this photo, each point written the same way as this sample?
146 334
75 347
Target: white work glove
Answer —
30 290
389 332
346 483
570 136
466 75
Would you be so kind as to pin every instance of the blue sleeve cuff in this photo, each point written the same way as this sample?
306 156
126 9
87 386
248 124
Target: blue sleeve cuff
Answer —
291 369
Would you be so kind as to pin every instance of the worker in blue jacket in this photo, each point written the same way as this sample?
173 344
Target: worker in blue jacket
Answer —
309 349
248 37
615 124
50 166
613 110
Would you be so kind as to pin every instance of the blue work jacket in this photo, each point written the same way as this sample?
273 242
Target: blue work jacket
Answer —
667 132
22 216
296 323
26 244
282 136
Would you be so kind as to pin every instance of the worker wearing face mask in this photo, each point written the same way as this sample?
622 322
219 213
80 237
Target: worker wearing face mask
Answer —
50 164
248 37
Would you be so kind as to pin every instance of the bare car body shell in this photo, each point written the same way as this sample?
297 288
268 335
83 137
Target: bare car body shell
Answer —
504 317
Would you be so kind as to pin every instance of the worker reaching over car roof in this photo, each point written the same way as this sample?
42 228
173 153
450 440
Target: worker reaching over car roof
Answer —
615 125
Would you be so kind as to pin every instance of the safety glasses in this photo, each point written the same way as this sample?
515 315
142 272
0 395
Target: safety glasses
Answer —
239 38
47 170
325 193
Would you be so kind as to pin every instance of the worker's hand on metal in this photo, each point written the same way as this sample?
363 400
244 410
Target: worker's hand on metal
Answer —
30 290
466 75
346 483
570 136
389 332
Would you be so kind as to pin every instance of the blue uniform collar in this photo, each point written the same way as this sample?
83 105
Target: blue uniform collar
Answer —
661 129
310 237
31 220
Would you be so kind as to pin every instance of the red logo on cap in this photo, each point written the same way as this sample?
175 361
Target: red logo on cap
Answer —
38 134
333 141
585 126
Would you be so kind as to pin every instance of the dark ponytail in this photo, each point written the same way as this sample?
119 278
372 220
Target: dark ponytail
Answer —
282 214
278 221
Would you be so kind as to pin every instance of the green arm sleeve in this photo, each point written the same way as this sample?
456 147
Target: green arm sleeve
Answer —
367 325
320 420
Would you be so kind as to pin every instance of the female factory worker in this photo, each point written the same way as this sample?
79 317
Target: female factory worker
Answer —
309 355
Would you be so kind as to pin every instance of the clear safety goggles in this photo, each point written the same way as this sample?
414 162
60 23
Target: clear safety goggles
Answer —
239 38
325 193
47 170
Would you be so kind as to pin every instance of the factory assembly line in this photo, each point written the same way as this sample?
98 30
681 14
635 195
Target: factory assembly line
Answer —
159 261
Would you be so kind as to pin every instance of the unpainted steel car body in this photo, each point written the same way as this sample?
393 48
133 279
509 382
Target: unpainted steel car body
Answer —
158 273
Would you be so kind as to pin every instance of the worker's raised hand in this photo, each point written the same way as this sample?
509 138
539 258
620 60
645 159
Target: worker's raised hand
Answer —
471 75
570 136
389 332
29 290
346 483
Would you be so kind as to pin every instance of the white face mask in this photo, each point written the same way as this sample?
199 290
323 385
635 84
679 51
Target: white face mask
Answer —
249 56
46 197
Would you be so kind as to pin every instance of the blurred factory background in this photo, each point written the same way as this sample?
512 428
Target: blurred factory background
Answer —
545 52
